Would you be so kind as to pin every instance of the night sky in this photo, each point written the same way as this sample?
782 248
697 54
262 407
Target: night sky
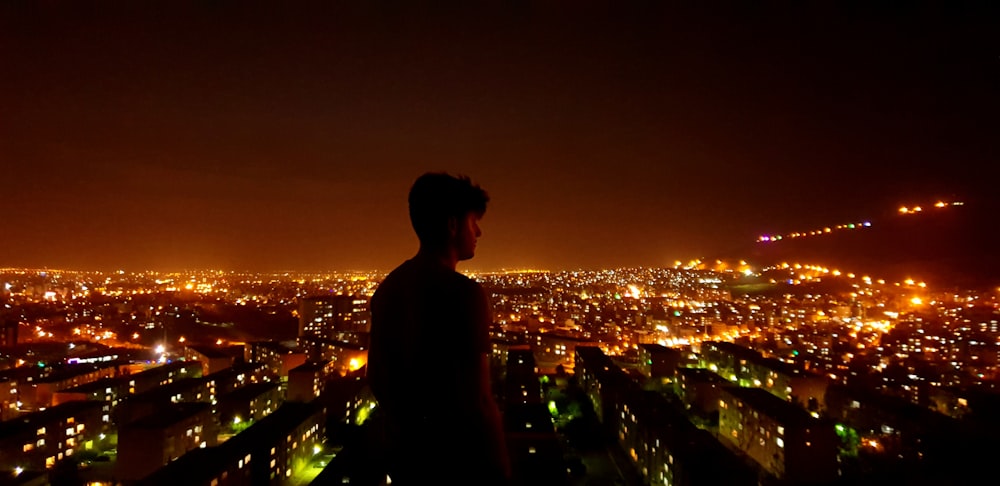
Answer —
284 136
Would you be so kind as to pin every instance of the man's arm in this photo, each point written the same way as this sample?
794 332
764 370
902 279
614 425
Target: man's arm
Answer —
487 404
494 421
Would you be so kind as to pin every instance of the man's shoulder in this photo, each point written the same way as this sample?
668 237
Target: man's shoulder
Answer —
405 271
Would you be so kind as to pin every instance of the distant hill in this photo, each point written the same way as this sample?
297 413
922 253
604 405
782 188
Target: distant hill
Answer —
946 247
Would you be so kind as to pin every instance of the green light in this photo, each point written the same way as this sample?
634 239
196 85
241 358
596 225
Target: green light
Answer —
552 408
677 313
795 352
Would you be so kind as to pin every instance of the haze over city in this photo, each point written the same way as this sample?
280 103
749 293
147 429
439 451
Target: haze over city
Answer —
272 137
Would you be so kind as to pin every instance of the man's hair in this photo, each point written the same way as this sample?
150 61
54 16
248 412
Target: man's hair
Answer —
437 196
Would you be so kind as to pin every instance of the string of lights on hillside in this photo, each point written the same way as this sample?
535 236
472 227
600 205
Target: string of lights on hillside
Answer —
919 209
904 210
798 273
802 273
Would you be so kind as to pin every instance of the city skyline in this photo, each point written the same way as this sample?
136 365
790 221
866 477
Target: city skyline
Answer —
264 138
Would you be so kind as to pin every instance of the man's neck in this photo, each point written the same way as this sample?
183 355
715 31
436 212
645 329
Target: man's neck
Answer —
444 256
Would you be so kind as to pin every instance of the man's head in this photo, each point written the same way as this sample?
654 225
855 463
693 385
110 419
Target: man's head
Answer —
444 210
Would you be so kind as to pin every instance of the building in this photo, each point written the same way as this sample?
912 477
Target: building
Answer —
556 349
343 356
659 362
521 385
162 398
700 390
665 447
307 381
39 393
266 453
751 369
325 315
8 332
39 440
213 358
277 357
249 403
152 442
114 389
782 437
229 379
535 450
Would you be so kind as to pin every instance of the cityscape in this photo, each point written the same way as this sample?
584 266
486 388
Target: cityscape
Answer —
718 243
700 373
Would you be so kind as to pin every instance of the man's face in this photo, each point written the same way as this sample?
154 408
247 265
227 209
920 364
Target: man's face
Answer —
466 235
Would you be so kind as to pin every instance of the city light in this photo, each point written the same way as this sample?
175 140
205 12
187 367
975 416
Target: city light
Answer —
616 310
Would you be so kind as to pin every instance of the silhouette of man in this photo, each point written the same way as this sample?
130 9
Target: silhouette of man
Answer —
428 362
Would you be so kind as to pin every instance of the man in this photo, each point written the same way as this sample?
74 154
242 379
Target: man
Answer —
428 364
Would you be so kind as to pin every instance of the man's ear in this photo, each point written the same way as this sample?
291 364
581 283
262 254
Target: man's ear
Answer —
452 226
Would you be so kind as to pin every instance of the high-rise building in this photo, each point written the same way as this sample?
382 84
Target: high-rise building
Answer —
8 332
326 316
8 325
